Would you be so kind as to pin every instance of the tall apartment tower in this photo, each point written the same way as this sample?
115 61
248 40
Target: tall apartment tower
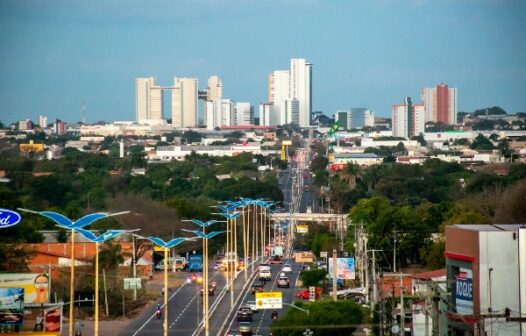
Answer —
244 114
408 119
184 102
214 90
301 88
290 93
42 121
148 100
220 112
440 103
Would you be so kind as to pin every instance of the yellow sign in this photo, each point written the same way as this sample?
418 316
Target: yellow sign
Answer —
302 228
158 249
269 300
286 142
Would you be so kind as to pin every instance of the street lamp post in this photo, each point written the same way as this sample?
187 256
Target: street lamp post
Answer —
66 223
230 217
166 247
97 240
205 237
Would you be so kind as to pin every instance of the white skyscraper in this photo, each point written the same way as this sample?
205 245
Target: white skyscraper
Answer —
214 90
244 114
267 115
220 112
408 119
301 88
42 121
184 102
291 93
148 100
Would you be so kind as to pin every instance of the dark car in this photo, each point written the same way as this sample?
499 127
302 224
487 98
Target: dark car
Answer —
257 288
244 314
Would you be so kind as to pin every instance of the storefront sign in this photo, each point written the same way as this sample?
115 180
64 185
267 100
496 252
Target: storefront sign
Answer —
464 292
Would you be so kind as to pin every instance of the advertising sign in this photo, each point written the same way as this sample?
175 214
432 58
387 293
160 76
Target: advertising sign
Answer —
132 283
35 285
464 292
269 300
53 319
312 293
11 306
9 218
345 268
302 228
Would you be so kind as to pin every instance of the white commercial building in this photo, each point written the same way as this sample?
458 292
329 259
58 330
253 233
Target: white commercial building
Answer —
214 91
244 114
220 112
184 102
408 119
168 153
148 100
267 115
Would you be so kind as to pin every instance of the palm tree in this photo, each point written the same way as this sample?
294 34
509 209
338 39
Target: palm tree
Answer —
349 174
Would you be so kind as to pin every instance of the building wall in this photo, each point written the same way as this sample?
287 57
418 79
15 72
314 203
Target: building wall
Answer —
148 99
280 94
244 114
184 102
301 88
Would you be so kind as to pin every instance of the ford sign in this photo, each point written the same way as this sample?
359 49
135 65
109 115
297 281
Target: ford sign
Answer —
9 218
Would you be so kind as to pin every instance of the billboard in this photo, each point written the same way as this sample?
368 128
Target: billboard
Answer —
53 319
35 285
269 300
345 268
302 228
464 291
11 306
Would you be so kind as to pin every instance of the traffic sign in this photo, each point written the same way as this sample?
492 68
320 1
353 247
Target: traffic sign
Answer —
269 300
312 293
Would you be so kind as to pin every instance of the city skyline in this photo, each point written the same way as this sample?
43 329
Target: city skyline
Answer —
57 55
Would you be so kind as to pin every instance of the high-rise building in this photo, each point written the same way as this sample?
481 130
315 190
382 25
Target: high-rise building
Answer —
278 88
59 127
220 112
42 121
290 91
440 103
267 115
408 119
301 88
342 118
369 118
214 90
244 114
148 100
184 102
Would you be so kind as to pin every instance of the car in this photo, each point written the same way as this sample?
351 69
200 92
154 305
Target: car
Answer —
305 295
283 282
257 288
198 278
264 266
265 275
276 260
245 328
287 268
244 314
253 306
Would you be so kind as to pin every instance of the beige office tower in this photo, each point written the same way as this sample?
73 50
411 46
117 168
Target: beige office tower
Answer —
214 90
184 102
148 100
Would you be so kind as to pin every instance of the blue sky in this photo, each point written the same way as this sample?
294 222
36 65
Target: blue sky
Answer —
370 53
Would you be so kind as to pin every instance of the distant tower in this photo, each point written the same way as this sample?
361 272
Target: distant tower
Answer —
84 106
121 147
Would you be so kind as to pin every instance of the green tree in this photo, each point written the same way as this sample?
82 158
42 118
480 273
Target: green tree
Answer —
325 318
481 143
312 277
110 256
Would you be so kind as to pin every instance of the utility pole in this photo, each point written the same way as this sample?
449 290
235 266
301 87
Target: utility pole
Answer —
402 310
394 253
334 275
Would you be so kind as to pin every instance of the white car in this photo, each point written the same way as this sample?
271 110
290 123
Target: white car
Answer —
287 268
265 274
252 305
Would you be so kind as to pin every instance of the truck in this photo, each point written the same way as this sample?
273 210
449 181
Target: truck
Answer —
176 263
195 263
277 251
